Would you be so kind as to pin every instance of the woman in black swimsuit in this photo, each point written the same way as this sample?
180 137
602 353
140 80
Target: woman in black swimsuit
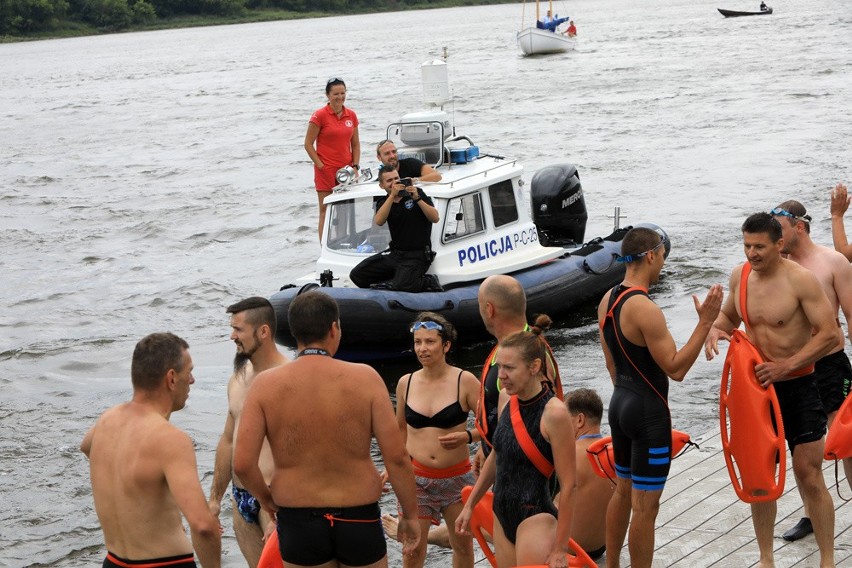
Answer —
534 439
432 408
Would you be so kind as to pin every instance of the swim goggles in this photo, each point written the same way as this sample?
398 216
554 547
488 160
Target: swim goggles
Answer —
430 325
784 213
637 256
334 80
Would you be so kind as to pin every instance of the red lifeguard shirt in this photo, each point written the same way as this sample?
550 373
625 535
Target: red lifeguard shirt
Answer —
334 141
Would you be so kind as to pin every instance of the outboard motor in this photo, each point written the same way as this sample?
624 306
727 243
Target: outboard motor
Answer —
558 206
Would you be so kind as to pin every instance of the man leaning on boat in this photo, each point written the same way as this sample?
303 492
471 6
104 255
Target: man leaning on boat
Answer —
409 213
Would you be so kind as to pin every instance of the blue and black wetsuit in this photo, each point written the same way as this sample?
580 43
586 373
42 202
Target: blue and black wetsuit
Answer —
520 489
638 411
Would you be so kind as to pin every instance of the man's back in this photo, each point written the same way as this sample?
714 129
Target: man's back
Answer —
590 502
320 419
130 448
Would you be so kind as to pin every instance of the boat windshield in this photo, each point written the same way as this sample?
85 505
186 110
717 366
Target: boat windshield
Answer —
351 227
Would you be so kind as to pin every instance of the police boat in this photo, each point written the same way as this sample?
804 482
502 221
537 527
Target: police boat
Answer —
490 223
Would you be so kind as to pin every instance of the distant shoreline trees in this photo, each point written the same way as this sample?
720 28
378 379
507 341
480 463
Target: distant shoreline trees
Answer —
25 18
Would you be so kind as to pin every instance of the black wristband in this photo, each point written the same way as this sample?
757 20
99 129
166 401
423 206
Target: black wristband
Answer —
469 437
356 166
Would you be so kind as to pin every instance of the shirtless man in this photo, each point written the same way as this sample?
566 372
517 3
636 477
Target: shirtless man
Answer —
593 492
253 331
143 468
839 204
833 372
320 416
789 319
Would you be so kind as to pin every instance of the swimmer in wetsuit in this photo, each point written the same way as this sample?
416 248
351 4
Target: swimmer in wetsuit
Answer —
433 406
640 355
534 439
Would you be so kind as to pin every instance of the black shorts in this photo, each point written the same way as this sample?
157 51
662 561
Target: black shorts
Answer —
833 378
801 410
641 429
182 561
314 536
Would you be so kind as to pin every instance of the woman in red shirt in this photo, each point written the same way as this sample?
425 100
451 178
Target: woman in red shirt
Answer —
334 130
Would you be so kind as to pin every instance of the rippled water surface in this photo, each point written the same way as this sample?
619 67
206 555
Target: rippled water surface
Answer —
148 180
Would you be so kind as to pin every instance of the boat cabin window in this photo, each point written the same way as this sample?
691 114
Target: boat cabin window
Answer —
351 226
504 209
464 217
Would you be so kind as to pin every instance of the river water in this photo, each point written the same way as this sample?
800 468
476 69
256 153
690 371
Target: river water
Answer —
147 180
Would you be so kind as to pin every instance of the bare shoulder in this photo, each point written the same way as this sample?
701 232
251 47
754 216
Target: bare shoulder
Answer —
468 379
799 276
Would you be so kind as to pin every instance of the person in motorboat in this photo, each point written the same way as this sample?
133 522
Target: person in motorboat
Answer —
640 356
763 7
409 213
432 410
413 168
333 129
534 441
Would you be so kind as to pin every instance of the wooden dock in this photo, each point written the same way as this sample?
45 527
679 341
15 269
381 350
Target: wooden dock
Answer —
702 523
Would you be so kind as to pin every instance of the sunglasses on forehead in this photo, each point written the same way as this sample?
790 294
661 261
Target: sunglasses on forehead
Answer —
632 257
430 325
334 80
784 213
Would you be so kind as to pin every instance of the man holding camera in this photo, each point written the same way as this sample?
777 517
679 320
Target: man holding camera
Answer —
409 213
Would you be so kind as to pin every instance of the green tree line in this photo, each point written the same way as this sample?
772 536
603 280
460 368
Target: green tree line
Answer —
25 17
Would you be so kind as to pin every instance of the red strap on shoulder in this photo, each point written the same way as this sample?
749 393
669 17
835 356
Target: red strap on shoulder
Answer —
480 419
532 452
743 294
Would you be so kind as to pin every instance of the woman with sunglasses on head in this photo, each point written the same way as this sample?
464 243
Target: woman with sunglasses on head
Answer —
332 142
432 408
534 440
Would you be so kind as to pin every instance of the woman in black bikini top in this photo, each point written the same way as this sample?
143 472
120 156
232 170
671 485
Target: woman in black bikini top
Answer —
433 405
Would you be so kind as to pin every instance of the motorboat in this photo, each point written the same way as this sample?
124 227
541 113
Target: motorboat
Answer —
490 223
534 40
737 14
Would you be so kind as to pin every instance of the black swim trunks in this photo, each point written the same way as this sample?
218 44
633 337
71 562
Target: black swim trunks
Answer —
314 536
834 380
182 561
801 410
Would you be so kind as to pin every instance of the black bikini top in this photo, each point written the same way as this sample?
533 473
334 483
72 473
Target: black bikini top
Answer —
449 416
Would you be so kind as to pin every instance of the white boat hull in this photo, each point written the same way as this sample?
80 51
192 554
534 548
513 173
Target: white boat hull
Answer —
535 41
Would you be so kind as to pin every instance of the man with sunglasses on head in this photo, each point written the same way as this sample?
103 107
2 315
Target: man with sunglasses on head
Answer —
833 372
407 167
641 356
790 320
410 214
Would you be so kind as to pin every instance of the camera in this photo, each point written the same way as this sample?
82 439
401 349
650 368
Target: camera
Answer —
405 181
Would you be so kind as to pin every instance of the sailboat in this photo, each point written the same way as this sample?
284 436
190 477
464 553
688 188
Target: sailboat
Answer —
536 41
